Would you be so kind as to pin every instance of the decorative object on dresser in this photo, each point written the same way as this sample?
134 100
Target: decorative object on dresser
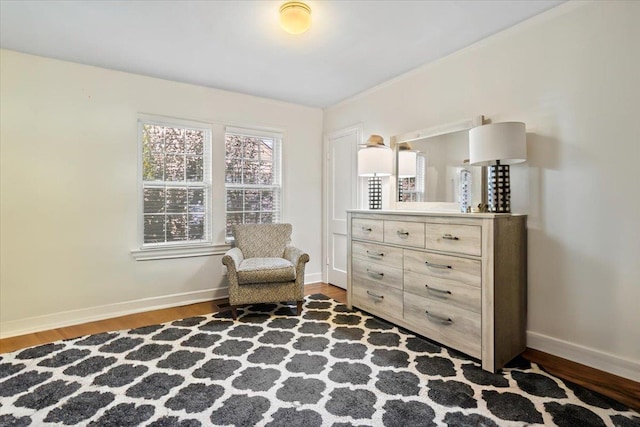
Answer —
498 145
464 198
375 160
459 279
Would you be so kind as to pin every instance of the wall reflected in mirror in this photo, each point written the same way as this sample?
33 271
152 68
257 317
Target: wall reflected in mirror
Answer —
439 169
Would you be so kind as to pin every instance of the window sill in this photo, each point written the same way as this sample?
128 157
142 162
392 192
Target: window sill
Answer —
148 254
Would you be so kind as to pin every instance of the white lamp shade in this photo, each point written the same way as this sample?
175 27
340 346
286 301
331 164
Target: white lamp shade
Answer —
375 161
407 163
506 142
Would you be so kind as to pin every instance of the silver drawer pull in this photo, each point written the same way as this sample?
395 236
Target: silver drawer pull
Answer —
371 294
449 237
366 229
438 319
430 264
441 292
402 233
374 273
375 254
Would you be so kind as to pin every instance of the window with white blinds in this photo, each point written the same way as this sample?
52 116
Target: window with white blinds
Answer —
176 183
412 188
253 181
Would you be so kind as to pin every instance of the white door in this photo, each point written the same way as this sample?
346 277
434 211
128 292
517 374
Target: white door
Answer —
341 174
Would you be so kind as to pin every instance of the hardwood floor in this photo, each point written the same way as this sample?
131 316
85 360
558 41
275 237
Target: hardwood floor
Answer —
143 319
617 388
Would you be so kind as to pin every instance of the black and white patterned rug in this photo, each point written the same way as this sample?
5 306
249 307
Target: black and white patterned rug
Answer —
330 367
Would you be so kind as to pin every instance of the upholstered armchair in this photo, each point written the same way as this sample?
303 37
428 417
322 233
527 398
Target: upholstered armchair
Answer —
263 267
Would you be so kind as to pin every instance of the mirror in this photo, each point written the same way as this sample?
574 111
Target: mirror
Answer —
440 170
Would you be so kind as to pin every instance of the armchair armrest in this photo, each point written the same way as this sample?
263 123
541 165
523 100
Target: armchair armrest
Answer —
232 259
295 256
298 258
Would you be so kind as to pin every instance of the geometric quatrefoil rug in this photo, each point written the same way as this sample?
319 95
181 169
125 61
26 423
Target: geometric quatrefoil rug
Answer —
329 367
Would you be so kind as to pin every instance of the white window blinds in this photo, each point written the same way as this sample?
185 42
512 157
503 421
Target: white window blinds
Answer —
176 183
253 177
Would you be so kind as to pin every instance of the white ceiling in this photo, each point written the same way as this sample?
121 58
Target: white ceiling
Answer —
239 46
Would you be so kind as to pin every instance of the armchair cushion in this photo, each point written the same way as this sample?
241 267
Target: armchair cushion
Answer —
266 270
262 240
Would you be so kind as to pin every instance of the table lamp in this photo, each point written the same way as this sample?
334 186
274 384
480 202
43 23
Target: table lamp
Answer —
497 146
375 160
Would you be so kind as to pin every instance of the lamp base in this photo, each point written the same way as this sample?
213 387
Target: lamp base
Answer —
499 190
375 192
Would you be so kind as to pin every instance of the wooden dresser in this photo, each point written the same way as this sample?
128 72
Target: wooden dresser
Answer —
458 279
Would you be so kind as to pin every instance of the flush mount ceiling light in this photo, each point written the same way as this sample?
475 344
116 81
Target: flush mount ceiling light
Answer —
295 17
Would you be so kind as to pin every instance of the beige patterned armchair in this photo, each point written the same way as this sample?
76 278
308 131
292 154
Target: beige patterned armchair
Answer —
263 267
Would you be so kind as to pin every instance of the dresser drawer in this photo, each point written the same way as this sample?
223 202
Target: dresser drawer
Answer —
467 271
376 298
449 325
444 290
367 229
462 239
378 273
378 253
404 233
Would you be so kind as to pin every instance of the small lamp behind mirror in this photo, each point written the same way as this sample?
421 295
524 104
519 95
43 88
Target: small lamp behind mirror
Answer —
497 146
375 160
407 161
407 167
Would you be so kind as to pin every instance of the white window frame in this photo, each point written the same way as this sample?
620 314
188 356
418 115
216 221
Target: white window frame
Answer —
151 251
277 159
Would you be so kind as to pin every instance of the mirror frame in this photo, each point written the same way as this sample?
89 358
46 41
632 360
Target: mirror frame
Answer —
428 133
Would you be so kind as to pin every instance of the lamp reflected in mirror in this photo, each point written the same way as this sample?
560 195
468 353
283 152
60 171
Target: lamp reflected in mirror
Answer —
409 186
407 159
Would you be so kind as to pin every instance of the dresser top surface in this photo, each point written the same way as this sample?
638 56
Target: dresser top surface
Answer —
431 213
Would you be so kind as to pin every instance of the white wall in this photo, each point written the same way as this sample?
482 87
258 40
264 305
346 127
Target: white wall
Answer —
69 189
573 76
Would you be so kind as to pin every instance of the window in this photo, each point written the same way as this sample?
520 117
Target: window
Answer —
176 183
252 177
411 189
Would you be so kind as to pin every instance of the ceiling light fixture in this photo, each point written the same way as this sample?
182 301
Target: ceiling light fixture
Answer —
295 17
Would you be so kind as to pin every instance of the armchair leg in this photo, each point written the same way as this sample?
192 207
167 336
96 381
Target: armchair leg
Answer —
234 312
299 304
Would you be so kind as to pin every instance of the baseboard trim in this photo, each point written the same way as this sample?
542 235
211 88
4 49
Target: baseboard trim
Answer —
312 278
92 314
75 317
600 360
